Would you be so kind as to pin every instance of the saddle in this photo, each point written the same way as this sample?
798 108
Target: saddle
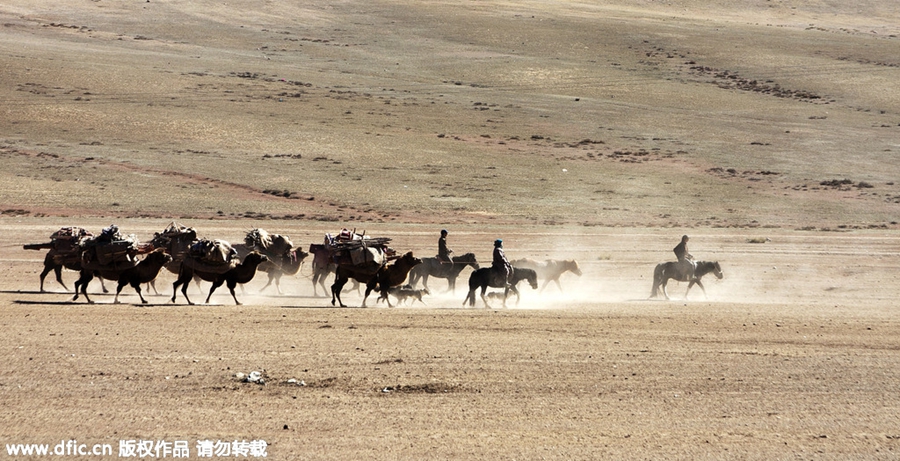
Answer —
497 277
685 269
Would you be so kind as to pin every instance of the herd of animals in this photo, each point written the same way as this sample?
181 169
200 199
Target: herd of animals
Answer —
178 250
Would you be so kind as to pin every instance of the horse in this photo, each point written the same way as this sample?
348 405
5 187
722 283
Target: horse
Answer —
674 270
382 277
486 276
143 272
434 267
551 270
242 273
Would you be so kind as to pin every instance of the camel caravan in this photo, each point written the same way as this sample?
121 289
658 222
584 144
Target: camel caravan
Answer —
348 256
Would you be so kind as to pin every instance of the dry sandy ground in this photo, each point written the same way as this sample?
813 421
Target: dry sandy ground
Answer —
596 131
793 355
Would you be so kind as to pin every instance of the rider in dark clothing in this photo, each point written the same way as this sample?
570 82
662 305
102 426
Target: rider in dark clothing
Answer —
684 257
500 264
443 252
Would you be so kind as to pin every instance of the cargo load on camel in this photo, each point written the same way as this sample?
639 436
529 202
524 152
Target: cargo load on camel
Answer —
66 245
111 250
175 239
268 244
350 248
214 256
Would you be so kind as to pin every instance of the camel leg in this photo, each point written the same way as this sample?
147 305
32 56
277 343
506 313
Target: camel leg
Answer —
369 287
58 271
184 293
215 285
231 286
82 283
119 287
137 288
336 288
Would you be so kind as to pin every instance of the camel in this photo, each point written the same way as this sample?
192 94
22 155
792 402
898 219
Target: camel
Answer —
175 240
322 265
55 262
278 265
382 277
143 272
242 273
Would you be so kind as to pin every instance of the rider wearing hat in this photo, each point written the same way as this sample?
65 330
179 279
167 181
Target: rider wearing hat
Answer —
500 264
443 252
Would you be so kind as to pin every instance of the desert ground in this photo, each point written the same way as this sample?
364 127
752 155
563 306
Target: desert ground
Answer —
594 131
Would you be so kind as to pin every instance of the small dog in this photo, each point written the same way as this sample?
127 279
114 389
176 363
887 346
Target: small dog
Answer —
496 295
406 292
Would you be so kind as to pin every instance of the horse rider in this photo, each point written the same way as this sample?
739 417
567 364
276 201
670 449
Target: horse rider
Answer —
685 259
500 265
443 252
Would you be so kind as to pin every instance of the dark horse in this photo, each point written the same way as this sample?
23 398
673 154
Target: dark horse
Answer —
673 270
486 277
382 277
433 267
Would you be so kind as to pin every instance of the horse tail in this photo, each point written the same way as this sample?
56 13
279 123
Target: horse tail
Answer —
657 279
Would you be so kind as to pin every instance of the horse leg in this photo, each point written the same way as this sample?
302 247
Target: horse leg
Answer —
484 298
695 281
516 291
663 286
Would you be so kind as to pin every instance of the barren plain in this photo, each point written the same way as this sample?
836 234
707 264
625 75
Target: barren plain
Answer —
594 131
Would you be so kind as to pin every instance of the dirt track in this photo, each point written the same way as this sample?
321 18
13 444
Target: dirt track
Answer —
794 355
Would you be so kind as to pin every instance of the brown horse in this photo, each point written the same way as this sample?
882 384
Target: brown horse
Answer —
143 272
441 269
242 273
382 277
675 270
550 270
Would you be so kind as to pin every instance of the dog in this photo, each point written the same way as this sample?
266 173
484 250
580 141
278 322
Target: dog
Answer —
406 292
496 295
